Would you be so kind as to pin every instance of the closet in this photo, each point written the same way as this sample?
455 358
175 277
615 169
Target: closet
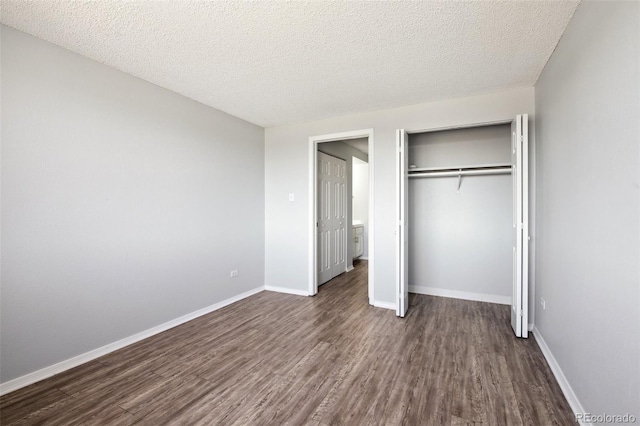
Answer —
462 215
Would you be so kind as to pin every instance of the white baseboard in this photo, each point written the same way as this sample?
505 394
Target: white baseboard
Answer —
363 258
530 327
455 294
385 305
286 290
350 268
52 370
572 399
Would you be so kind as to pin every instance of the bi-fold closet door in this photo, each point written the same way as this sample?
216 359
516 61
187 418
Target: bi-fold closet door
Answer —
520 178
513 160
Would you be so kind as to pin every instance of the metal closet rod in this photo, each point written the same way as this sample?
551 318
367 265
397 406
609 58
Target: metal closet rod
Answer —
463 172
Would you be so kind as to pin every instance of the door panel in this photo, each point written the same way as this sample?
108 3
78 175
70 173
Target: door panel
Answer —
340 216
324 220
519 165
402 284
525 225
332 181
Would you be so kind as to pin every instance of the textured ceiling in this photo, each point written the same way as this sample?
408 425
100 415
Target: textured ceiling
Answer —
273 62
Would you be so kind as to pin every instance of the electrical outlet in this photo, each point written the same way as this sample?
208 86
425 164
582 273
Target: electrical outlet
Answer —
543 303
292 197
234 273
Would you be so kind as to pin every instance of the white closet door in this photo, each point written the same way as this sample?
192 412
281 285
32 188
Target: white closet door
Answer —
332 214
324 218
520 170
402 240
339 210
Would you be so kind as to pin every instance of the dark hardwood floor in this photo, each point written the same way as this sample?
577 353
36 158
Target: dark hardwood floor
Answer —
323 360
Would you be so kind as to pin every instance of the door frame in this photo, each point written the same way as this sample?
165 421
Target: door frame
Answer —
313 210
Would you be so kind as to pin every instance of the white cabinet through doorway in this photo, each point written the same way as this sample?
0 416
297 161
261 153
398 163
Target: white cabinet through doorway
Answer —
358 241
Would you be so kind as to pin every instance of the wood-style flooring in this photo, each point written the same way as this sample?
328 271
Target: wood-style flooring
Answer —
275 359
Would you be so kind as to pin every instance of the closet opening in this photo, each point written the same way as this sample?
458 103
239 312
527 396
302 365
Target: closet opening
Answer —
341 207
462 215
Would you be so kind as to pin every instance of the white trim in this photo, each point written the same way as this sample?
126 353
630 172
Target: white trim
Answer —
350 268
465 295
362 258
286 290
65 365
312 217
385 305
371 231
568 392
530 327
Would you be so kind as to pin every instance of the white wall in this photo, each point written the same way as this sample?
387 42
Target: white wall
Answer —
287 170
124 205
461 241
588 269
361 200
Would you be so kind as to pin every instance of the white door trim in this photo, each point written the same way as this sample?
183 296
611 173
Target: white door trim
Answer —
313 211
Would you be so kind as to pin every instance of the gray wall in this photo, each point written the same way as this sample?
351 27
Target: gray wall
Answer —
462 241
587 106
347 153
287 171
124 205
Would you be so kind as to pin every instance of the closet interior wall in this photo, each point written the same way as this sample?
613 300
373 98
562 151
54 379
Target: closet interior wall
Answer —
460 242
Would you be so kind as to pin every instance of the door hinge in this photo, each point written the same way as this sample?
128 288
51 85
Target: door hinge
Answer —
521 312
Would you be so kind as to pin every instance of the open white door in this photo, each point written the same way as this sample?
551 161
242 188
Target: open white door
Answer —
520 170
339 214
332 217
325 271
402 241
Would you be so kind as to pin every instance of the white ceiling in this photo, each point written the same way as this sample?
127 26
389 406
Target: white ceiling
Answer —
274 62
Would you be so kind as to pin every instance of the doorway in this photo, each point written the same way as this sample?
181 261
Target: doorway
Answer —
343 147
467 222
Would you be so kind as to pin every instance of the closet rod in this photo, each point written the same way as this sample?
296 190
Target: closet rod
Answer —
496 171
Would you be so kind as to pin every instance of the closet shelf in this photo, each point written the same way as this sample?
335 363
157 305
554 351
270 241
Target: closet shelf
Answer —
484 169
